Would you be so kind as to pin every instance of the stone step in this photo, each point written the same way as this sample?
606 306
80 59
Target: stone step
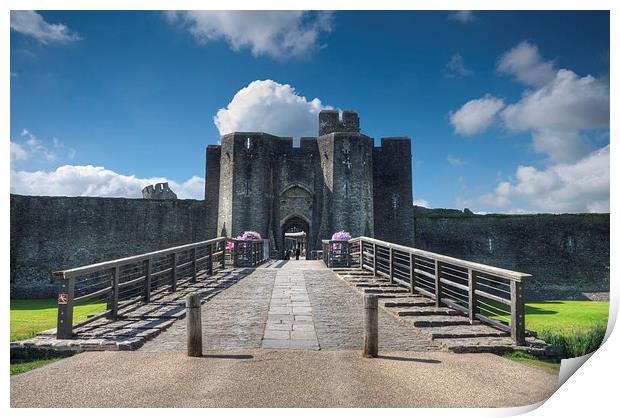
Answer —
374 284
425 311
408 302
466 331
437 321
382 290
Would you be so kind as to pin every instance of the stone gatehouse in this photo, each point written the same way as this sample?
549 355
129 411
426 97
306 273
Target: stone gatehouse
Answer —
337 181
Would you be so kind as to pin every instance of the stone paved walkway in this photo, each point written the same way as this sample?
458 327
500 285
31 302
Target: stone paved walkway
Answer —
289 305
289 321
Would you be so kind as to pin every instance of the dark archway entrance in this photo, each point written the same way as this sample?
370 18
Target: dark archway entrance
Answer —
295 233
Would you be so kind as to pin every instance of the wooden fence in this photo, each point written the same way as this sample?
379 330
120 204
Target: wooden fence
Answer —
120 283
488 294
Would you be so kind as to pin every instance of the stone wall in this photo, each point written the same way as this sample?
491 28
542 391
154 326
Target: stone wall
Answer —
568 255
57 233
393 194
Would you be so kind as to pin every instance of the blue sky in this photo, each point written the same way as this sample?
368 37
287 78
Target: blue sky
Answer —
508 111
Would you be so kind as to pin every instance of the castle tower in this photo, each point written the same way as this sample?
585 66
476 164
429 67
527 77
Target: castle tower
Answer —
336 181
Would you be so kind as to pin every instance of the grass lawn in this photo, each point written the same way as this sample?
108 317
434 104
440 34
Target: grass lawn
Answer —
29 316
25 366
565 315
530 360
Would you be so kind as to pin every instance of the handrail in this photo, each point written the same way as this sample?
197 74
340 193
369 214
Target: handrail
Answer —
484 293
482 268
137 278
65 274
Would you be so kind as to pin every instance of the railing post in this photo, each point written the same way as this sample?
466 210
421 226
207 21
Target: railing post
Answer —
374 259
471 300
371 326
391 265
147 280
437 283
194 325
64 324
193 279
412 272
114 305
517 312
210 260
223 259
361 254
173 286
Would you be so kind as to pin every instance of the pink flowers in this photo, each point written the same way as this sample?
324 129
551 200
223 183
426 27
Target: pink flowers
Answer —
246 236
341 236
249 235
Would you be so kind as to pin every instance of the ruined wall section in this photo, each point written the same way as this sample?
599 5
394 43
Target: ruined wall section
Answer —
58 233
568 255
393 194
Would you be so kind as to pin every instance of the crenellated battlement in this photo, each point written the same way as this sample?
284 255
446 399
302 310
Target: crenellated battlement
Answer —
330 122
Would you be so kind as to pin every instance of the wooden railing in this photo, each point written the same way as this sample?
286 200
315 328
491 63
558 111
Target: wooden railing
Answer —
336 253
249 253
484 293
122 282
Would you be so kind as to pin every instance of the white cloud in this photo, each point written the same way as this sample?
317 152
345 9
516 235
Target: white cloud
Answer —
476 115
582 186
30 23
34 149
268 106
421 202
525 63
274 33
456 67
463 16
70 180
18 152
558 111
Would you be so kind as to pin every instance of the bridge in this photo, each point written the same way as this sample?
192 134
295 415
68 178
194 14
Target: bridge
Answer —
428 301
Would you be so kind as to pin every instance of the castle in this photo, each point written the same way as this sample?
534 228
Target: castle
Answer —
336 181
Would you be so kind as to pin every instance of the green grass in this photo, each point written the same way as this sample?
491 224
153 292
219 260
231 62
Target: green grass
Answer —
565 315
29 316
578 327
530 360
27 365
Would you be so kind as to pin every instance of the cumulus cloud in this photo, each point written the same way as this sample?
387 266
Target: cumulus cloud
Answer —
74 180
456 67
421 202
268 106
558 109
526 65
476 115
557 112
463 16
274 33
30 23
582 186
